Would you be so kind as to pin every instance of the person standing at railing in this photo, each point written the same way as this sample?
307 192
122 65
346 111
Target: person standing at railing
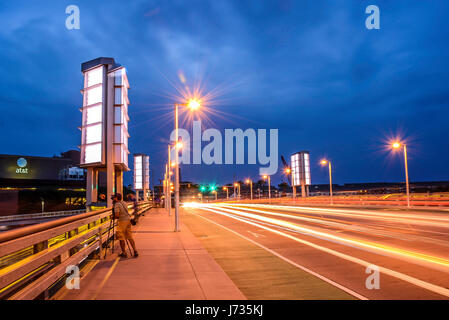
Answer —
132 198
124 224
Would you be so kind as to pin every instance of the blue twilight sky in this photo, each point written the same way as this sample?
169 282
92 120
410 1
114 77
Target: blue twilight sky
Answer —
308 68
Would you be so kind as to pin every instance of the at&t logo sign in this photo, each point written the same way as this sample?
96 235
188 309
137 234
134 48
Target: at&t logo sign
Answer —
22 163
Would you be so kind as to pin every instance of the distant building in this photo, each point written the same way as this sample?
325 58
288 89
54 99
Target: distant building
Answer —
26 181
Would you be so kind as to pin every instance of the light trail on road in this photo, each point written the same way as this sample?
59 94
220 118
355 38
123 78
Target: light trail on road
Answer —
288 221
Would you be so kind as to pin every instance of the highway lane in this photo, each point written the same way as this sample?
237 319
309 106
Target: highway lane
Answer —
409 247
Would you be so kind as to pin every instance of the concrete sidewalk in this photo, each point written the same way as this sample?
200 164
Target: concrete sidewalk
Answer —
170 266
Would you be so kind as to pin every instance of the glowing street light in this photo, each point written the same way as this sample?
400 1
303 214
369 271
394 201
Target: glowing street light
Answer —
169 174
288 171
250 182
236 184
265 177
193 104
396 145
227 192
216 195
323 163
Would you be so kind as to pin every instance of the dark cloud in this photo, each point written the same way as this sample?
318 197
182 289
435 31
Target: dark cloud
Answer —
309 68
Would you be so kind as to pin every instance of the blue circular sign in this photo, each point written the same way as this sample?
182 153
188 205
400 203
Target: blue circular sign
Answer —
21 162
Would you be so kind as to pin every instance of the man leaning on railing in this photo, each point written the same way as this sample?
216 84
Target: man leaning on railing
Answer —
124 224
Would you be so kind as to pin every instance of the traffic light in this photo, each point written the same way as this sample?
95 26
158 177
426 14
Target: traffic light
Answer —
202 188
213 188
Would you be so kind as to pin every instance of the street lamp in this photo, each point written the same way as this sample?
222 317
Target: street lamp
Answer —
269 185
169 174
250 182
397 145
238 186
192 105
287 172
323 163
215 192
227 192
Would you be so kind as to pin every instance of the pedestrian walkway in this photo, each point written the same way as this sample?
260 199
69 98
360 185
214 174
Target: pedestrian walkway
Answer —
170 266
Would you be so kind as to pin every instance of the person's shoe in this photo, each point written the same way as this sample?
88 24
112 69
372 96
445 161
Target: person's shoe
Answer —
123 255
136 254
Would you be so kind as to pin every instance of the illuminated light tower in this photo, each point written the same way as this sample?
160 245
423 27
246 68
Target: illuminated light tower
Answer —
397 145
323 163
104 128
141 175
300 169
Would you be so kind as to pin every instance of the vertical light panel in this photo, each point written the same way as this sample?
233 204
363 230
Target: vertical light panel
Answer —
147 172
300 166
138 172
92 123
121 118
307 169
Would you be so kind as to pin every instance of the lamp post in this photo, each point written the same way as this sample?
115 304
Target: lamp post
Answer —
169 181
287 172
193 105
236 184
216 196
165 188
227 192
269 185
324 162
250 182
397 145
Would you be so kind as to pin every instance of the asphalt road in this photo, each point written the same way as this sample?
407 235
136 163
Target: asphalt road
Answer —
345 246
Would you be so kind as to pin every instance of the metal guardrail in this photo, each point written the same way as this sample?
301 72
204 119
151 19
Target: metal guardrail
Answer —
41 215
34 258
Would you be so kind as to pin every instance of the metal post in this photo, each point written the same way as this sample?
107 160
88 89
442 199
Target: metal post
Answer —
269 188
165 188
330 182
407 185
89 186
251 188
176 172
169 181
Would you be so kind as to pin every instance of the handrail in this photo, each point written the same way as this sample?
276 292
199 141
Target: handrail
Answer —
59 243
17 217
